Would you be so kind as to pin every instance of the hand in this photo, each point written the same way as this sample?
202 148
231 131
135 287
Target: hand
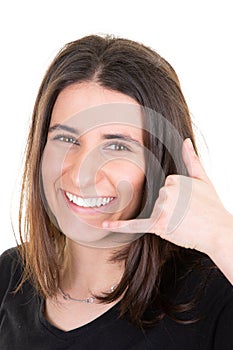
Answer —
187 212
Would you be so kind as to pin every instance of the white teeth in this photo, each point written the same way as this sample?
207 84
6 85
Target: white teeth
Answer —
70 196
88 202
99 202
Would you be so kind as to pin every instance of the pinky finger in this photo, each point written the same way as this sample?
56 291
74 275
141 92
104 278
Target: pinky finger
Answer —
131 226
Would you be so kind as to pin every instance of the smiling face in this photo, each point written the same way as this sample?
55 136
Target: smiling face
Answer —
93 163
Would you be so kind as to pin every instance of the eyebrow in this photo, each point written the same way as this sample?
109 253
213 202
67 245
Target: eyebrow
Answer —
121 137
63 127
115 136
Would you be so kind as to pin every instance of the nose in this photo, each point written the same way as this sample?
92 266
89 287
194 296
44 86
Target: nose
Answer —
85 170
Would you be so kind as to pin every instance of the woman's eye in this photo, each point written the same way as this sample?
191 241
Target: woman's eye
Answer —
118 147
67 139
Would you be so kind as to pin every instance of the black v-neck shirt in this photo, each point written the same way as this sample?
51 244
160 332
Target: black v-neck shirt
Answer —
24 327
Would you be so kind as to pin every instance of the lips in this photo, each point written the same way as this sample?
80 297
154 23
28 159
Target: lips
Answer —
88 202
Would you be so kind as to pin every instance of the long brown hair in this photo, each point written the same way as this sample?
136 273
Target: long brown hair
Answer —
138 71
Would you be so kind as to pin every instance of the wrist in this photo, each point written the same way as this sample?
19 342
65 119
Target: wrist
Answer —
223 237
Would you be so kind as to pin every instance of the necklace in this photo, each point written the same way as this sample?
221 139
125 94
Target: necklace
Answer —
89 300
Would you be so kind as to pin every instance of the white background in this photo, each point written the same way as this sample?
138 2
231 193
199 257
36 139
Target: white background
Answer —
194 36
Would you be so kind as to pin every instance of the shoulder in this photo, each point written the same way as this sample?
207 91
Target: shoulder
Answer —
203 313
216 286
218 293
10 271
213 300
201 276
200 292
222 301
215 308
209 285
9 258
206 301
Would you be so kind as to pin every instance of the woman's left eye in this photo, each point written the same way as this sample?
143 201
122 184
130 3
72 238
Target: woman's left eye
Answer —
118 147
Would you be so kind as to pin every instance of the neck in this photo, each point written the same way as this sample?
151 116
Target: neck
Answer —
89 269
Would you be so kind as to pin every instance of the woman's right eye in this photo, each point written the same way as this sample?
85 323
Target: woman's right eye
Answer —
66 139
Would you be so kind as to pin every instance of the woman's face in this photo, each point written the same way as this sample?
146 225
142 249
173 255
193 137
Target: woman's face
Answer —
93 164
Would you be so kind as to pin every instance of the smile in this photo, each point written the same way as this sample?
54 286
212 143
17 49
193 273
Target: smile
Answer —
91 202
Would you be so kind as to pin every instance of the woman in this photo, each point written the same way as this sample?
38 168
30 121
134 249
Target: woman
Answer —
108 155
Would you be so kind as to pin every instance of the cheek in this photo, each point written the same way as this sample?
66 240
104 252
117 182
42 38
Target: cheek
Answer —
53 161
129 182
128 177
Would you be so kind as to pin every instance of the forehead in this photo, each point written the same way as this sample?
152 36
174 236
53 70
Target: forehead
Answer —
88 106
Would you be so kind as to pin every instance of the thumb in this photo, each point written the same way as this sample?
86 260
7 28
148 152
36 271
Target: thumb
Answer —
192 162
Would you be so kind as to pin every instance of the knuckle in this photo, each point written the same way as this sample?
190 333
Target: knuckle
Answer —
171 179
163 192
166 194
